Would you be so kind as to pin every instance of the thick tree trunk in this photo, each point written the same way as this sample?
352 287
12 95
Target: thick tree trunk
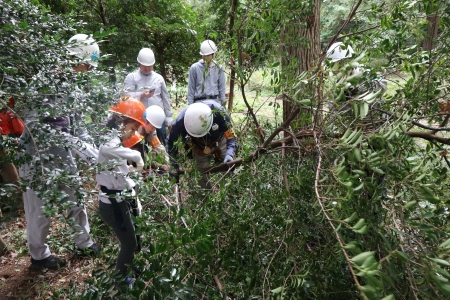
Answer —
432 29
300 41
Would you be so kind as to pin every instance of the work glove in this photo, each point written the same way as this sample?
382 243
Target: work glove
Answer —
139 166
227 159
169 121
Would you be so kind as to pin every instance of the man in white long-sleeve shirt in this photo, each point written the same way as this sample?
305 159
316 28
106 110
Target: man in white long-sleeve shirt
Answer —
60 159
149 87
206 78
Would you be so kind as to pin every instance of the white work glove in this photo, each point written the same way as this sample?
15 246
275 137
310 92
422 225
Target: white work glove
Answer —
169 121
139 166
227 158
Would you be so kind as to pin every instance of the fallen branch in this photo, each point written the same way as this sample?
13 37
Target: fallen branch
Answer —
429 137
253 156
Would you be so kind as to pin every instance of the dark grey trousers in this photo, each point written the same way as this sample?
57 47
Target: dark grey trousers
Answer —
126 235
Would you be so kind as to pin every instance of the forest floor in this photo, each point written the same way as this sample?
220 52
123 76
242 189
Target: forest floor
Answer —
17 281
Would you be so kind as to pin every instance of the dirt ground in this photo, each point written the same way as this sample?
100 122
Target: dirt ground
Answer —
17 281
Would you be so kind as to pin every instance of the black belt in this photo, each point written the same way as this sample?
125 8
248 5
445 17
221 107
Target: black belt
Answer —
206 97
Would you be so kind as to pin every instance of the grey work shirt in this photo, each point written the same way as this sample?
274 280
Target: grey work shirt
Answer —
204 83
136 83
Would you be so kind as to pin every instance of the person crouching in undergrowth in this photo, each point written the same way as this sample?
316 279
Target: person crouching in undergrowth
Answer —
117 188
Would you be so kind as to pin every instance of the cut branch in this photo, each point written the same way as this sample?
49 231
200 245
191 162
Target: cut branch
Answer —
253 156
429 137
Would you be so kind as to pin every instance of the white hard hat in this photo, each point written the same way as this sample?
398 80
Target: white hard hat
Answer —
146 57
198 119
155 115
338 51
84 47
207 47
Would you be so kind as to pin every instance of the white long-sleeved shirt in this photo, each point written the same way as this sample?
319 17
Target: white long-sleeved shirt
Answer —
117 178
136 83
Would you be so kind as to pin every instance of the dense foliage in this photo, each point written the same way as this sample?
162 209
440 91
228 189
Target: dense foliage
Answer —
352 206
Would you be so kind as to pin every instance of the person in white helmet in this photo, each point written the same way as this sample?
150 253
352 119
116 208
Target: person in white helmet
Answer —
206 129
150 87
206 78
118 198
338 52
154 117
85 54
370 83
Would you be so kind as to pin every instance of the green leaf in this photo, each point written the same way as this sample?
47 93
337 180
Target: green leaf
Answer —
445 244
305 102
402 255
359 224
359 187
440 261
351 218
363 230
428 194
363 110
362 257
410 204
277 290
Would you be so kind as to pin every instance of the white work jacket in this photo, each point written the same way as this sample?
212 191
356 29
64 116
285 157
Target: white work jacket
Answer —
113 152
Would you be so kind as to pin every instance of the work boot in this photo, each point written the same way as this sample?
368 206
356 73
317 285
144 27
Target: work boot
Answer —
52 262
92 250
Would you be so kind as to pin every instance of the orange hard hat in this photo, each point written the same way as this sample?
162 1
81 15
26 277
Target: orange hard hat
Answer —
136 138
131 108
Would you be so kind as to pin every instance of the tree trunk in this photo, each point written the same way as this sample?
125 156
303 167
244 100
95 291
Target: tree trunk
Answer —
432 29
300 41
234 4
3 247
159 53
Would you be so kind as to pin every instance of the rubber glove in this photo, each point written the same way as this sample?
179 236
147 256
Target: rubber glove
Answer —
169 121
227 159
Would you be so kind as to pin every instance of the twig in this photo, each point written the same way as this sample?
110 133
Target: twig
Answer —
250 111
359 32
